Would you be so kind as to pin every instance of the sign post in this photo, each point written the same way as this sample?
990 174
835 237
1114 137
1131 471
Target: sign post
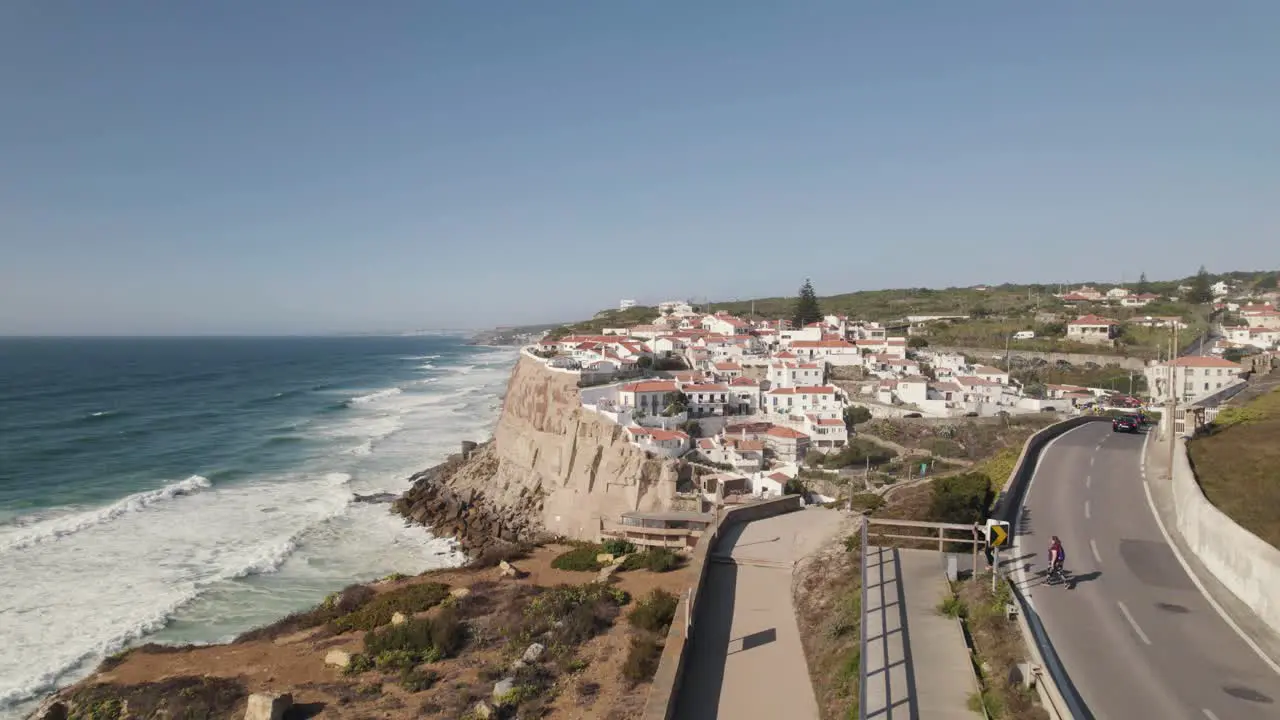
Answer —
997 537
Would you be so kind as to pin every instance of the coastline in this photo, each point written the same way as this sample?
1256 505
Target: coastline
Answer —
308 540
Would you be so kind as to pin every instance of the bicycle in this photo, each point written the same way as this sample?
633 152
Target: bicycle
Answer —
1056 573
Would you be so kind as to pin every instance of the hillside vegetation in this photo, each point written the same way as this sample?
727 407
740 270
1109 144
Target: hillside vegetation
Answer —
1237 463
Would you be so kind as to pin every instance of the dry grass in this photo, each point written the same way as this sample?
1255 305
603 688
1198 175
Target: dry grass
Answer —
971 439
828 609
1238 465
999 647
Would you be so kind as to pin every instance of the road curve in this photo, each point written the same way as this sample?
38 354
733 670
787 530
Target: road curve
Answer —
1135 635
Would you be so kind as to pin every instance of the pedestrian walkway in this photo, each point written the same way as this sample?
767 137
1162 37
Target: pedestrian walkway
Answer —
746 660
917 663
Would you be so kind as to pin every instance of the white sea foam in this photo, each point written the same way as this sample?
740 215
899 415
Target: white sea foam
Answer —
59 527
376 396
194 563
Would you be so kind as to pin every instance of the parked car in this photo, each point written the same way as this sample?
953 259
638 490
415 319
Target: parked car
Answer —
971 414
912 415
1126 423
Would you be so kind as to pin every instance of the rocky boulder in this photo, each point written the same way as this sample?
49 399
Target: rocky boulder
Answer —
268 706
337 658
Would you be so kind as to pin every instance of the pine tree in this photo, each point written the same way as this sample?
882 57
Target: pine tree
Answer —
1143 286
1201 292
807 308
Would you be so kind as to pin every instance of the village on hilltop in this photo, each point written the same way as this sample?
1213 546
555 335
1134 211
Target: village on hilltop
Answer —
757 397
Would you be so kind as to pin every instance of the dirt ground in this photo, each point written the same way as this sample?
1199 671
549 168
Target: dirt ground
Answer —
295 663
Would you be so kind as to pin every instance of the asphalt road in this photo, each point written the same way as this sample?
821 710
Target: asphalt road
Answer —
1136 636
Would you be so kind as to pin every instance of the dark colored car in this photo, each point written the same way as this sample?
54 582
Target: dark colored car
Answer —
1126 423
912 415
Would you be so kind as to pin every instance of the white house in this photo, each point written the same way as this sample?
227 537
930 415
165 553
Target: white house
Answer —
1220 288
744 395
948 361
647 395
786 374
1138 300
978 390
1259 337
836 352
669 443
986 372
809 334
821 400
725 324
1194 377
913 390
788 445
675 307
825 434
895 346
1116 293
1092 329
706 399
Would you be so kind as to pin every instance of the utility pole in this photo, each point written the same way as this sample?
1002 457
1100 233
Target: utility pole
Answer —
1173 402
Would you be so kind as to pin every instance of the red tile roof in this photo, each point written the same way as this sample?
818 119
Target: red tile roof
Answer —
810 390
650 386
1092 320
1205 361
785 432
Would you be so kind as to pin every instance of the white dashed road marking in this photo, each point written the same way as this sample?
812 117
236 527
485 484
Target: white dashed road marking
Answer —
1094 547
1134 623
1087 514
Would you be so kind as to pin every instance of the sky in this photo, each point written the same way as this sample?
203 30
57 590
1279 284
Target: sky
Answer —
273 167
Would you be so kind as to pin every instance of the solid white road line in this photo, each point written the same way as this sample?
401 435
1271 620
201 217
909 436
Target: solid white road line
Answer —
1094 547
1087 514
1133 623
1151 503
1209 713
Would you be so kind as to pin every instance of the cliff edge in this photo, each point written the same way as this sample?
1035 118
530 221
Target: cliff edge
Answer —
553 467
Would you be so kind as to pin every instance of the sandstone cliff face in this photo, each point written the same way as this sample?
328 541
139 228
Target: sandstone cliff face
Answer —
552 466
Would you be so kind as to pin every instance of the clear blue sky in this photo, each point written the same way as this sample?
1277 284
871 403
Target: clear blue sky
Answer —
260 167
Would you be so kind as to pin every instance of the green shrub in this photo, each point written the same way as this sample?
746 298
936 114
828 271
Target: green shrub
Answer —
661 560
418 680
569 614
618 547
952 606
396 660
856 414
334 606
642 658
579 559
407 600
961 498
413 636
447 632
867 501
655 612
943 447
360 663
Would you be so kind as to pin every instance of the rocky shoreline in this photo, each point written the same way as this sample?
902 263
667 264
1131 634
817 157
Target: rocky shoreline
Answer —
476 522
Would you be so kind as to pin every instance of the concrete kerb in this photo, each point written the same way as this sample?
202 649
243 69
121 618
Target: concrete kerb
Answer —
1056 692
665 688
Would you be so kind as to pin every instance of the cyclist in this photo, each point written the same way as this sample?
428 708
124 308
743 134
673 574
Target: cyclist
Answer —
1057 556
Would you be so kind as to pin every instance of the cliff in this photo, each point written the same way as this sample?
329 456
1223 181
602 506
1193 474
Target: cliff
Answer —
552 467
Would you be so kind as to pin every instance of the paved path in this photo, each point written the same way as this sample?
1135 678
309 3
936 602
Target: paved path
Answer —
1136 636
917 663
746 660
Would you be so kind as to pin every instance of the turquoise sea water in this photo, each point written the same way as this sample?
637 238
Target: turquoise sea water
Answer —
184 490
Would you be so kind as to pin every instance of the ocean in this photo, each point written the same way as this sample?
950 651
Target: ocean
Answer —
186 490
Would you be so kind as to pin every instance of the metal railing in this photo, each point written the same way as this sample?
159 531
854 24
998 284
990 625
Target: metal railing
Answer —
862 634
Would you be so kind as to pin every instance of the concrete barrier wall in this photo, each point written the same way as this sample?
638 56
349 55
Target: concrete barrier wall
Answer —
1246 564
665 688
1009 501
1057 694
